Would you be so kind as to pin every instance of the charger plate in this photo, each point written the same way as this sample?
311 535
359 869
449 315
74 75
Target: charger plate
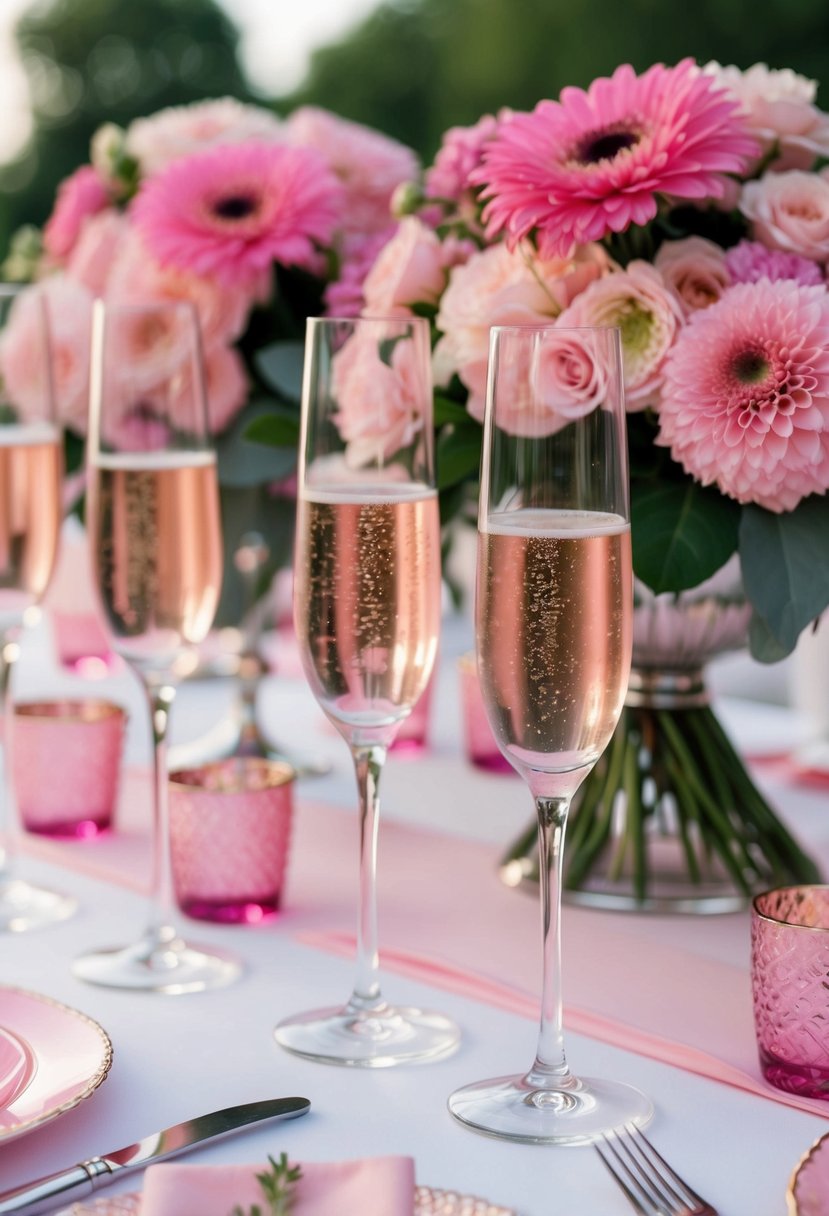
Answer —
808 1193
428 1202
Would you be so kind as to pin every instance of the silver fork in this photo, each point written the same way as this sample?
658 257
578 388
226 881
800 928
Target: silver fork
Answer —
650 1184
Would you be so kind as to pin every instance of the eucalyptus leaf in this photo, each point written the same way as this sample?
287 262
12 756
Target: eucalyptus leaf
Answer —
682 534
280 366
242 462
458 454
785 563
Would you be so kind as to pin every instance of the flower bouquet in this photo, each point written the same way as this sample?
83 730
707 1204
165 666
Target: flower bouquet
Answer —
253 220
689 207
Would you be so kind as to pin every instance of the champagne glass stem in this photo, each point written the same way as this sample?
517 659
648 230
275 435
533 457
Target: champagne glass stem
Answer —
368 764
550 1067
161 698
9 651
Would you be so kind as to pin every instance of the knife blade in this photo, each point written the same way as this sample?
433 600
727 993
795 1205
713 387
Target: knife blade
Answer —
47 1194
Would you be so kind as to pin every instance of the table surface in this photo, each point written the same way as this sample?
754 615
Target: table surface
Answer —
178 1056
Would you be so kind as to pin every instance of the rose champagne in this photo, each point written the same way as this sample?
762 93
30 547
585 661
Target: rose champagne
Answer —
31 466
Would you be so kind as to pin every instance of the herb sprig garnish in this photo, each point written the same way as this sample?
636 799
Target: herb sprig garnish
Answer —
278 1186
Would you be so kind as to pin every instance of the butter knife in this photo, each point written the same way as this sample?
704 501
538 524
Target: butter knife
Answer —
47 1194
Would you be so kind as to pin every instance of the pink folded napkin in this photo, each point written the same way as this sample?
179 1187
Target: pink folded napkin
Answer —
383 1186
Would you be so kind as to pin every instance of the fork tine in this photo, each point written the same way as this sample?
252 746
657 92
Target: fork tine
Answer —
685 1194
661 1193
605 1150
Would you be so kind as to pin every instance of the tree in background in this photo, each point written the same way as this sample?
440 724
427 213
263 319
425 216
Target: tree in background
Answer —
414 67
95 61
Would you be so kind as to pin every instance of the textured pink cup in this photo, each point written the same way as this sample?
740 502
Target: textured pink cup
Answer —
481 748
66 760
230 828
790 987
413 735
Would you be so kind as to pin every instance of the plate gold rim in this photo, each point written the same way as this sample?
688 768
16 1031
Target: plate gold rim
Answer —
791 1198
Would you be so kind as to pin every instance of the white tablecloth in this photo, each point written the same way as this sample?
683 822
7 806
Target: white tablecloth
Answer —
175 1057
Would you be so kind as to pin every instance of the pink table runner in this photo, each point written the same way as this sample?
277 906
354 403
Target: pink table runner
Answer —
445 919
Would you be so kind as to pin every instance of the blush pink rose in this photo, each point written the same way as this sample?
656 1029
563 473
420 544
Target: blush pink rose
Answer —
226 389
409 270
790 211
177 131
97 249
358 253
380 403
80 196
779 110
647 312
562 382
695 269
369 165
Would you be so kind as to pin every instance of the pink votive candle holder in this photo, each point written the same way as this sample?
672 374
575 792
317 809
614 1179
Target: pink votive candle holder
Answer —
790 987
413 733
481 748
66 761
230 828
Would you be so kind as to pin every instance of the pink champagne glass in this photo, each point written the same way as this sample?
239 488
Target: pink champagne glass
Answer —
367 615
31 472
554 609
156 545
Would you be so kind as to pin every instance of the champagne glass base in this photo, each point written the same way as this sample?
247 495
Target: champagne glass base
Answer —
167 965
511 1108
24 906
369 1038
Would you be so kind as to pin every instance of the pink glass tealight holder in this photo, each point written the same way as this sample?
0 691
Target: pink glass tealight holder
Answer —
66 760
230 829
790 987
479 741
413 734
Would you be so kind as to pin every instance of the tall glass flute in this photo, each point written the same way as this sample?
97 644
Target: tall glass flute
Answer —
553 622
31 469
367 614
154 531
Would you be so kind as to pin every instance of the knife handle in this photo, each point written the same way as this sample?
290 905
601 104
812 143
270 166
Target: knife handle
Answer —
47 1194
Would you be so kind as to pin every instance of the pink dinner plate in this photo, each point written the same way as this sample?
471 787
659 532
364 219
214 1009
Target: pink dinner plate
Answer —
17 1066
808 1193
63 1056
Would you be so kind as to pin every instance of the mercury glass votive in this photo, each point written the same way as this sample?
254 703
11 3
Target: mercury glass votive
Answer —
66 762
230 829
790 987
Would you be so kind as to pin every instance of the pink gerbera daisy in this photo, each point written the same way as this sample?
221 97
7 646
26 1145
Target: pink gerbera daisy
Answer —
594 162
233 210
745 395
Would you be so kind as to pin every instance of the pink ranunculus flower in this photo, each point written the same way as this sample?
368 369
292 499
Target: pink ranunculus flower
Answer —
745 401
502 287
369 165
80 196
380 404
136 278
409 270
179 131
233 210
749 261
695 269
97 249
638 301
69 312
595 162
790 211
779 109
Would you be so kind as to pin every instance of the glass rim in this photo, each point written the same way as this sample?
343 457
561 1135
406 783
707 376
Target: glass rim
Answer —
277 774
376 319
70 709
782 920
105 307
553 326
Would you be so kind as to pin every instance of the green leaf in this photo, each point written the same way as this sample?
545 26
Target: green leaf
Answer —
458 454
242 462
764 646
277 429
447 410
682 533
785 562
280 366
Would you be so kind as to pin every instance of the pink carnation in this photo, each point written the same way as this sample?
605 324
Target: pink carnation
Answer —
369 165
381 405
649 316
80 196
750 261
232 211
790 211
595 162
409 270
179 131
779 109
745 400
695 269
459 154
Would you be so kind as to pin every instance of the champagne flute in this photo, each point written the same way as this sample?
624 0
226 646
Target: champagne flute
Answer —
367 615
554 610
154 531
31 471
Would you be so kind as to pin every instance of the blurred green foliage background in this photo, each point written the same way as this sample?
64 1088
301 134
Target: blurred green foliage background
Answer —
412 68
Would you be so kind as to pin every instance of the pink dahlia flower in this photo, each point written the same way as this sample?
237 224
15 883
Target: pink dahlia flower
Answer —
779 108
638 301
745 398
695 269
594 162
790 211
232 211
179 131
80 196
369 165
751 260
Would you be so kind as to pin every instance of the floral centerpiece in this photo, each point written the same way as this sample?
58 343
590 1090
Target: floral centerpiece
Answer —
250 218
690 207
